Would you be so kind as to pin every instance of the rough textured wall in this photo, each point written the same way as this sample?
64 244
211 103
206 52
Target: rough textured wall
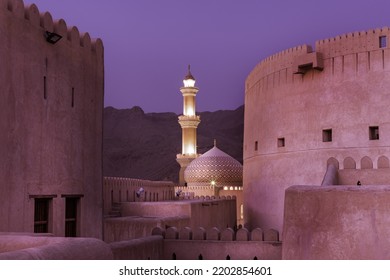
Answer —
337 222
127 228
219 244
147 248
19 247
348 96
50 145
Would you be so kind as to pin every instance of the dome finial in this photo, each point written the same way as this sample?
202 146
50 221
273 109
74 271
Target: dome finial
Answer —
215 142
189 75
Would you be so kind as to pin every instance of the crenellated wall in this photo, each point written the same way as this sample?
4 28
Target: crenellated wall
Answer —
51 121
217 244
288 117
139 218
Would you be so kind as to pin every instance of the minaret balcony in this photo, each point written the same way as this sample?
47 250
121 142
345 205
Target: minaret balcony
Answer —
189 121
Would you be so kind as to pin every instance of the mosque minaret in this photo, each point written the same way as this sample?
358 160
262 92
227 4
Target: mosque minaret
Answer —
189 122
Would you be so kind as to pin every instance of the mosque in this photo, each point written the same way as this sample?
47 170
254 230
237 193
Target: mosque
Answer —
314 183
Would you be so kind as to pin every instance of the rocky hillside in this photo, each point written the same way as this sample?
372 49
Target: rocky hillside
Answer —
139 145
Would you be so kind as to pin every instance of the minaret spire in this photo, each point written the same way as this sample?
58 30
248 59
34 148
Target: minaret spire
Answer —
189 122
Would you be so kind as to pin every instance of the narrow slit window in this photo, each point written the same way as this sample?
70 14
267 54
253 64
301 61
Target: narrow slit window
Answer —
256 145
281 142
72 97
382 41
374 133
327 135
44 88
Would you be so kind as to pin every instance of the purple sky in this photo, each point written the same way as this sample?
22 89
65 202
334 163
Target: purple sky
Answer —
149 43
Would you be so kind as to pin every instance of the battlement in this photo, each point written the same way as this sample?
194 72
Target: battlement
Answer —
276 62
361 50
353 42
45 21
130 182
216 234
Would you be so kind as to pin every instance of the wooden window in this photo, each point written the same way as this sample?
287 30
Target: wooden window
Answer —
71 204
41 215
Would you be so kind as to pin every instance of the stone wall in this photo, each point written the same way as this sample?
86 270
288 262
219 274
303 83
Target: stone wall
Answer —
51 121
216 244
23 247
288 118
147 248
118 190
138 219
337 222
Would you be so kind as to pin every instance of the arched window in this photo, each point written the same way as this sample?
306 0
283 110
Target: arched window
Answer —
200 257
173 256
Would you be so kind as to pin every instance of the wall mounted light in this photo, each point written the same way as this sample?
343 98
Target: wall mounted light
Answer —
52 37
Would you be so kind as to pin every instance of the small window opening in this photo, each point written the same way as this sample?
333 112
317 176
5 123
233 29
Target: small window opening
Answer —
41 215
382 41
228 257
200 257
374 132
71 216
327 135
256 145
281 142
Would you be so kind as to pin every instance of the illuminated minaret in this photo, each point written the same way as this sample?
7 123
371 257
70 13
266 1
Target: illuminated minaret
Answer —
189 122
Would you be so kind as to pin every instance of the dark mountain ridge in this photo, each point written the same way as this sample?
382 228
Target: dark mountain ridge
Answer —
144 145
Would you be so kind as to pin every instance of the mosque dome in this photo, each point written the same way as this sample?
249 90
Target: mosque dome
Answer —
214 168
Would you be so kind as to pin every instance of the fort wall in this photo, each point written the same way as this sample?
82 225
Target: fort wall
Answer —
138 219
295 122
147 248
23 247
218 244
118 190
51 119
336 222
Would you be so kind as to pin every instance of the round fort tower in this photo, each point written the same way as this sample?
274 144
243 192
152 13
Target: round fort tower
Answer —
306 109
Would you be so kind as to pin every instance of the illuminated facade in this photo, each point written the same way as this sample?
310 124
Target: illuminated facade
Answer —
189 122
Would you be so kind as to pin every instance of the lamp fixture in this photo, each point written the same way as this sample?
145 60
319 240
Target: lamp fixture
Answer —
52 37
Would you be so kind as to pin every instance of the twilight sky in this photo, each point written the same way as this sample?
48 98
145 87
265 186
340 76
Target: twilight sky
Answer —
149 43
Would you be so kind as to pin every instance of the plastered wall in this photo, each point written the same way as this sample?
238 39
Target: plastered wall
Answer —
51 120
348 96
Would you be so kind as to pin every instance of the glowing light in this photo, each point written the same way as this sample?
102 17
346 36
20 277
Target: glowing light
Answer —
213 183
190 150
190 111
189 83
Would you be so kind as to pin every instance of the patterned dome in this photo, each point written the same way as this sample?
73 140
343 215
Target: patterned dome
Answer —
216 166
